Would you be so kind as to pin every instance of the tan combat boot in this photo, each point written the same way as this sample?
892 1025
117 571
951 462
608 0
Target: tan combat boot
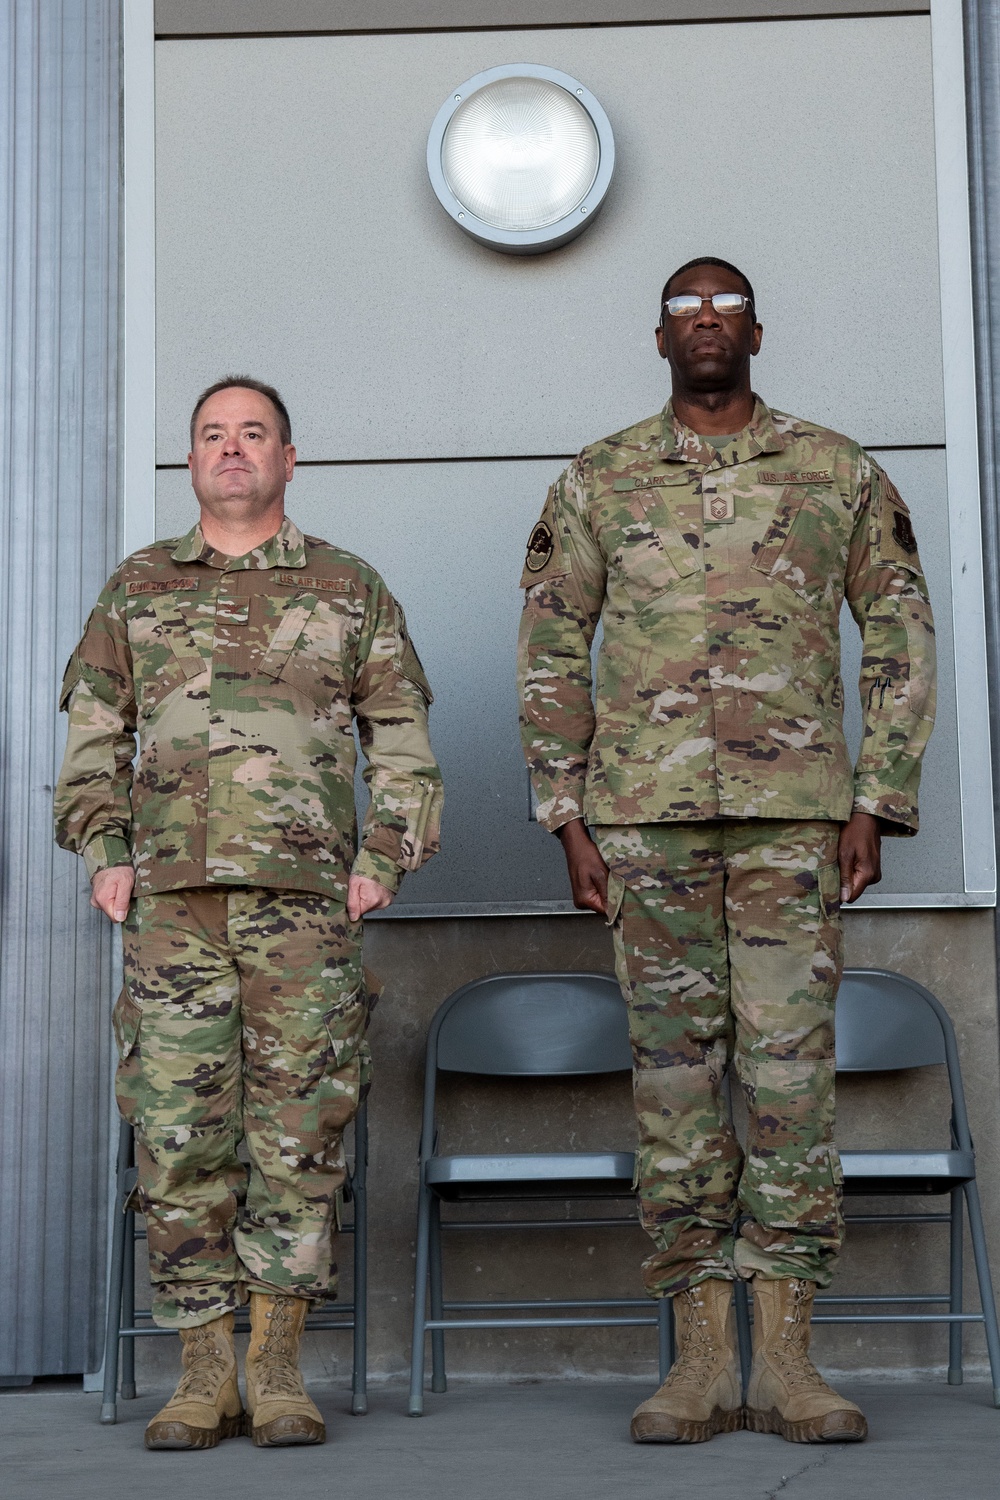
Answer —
787 1394
702 1394
206 1405
280 1411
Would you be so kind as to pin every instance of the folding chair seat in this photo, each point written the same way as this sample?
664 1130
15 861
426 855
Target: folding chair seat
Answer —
887 1023
125 1323
541 1026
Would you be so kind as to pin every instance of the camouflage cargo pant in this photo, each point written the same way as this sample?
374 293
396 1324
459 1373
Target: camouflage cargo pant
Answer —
728 947
243 1017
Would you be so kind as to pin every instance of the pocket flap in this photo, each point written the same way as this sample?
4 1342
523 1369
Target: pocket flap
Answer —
791 502
673 544
804 548
287 632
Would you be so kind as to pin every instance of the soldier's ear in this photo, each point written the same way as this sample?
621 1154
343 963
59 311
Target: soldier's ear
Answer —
756 337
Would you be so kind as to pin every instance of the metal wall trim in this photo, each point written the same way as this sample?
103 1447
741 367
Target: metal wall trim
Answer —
982 78
59 244
139 277
961 431
185 19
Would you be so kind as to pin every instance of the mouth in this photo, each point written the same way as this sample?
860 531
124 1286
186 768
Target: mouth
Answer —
234 469
708 346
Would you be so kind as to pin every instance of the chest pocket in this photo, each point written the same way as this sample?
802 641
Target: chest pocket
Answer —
308 647
163 632
649 552
805 547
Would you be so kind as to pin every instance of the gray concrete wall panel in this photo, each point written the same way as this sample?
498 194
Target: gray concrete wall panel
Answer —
249 17
58 471
298 235
449 539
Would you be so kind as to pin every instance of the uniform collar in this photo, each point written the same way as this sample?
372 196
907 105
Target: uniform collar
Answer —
286 549
681 445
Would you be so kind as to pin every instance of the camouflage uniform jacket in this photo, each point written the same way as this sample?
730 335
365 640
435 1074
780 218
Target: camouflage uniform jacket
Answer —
719 579
241 678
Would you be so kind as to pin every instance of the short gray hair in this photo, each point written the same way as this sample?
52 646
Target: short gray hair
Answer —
248 383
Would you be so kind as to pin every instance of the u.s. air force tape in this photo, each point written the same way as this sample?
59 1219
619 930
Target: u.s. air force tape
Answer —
541 545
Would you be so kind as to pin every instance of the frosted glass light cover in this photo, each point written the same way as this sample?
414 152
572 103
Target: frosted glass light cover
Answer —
520 153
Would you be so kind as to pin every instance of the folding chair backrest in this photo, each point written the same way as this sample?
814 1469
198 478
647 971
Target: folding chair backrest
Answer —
886 1022
540 1025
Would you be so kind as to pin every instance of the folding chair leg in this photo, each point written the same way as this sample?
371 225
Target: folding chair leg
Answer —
985 1285
741 1293
359 1187
665 1335
128 1309
416 1408
109 1407
955 1287
439 1381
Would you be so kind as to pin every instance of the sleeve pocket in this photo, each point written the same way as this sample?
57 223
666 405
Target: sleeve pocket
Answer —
411 852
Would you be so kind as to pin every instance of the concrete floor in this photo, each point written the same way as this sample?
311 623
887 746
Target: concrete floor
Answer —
530 1441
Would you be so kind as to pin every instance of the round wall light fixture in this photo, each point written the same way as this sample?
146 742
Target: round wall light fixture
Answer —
521 157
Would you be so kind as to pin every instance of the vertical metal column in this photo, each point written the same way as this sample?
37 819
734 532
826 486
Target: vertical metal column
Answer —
982 44
59 253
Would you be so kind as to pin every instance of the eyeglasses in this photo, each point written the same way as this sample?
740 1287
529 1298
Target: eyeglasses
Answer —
728 303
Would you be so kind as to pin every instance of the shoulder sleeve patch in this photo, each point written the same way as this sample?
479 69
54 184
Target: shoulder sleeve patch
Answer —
541 546
544 556
894 543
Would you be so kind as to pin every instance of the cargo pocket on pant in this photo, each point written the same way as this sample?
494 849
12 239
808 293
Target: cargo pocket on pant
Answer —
126 1019
828 881
829 1227
340 1087
615 919
616 895
830 937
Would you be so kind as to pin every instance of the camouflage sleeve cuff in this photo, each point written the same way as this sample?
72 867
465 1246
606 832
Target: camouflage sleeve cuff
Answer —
375 866
103 852
558 810
896 814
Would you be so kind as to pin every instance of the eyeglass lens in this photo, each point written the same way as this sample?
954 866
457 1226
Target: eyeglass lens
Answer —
690 306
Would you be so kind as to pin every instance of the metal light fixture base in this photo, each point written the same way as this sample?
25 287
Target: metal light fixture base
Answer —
523 241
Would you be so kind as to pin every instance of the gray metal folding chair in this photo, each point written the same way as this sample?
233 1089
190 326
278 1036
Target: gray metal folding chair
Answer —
125 1323
554 1025
887 1023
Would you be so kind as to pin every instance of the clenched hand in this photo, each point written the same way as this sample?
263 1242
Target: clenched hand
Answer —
859 854
365 895
111 891
588 874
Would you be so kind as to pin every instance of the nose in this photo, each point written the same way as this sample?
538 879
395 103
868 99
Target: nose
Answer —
707 317
232 447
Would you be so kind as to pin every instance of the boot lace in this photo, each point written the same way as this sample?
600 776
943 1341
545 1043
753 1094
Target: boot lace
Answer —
207 1366
791 1353
276 1368
697 1362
